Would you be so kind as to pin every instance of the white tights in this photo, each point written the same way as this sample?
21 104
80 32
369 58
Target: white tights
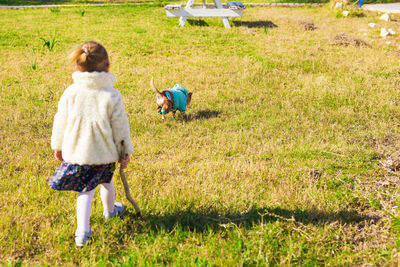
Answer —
84 205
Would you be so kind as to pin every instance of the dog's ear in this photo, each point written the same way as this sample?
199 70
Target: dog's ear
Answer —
189 98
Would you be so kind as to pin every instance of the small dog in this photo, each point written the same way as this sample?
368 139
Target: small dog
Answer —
173 99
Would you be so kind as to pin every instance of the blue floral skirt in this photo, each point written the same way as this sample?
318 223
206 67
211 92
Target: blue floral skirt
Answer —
81 178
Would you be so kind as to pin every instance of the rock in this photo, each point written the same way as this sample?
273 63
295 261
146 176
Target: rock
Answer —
371 24
385 17
345 13
338 5
384 32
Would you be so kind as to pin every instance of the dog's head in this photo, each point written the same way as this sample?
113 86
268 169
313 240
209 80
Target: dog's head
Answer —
164 104
165 101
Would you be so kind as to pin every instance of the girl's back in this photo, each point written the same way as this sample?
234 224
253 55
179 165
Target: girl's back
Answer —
88 128
93 108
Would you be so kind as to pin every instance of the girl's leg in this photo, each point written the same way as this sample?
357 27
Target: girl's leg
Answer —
111 208
107 194
83 210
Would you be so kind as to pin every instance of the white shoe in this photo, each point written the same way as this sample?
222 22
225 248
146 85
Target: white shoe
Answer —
119 210
82 237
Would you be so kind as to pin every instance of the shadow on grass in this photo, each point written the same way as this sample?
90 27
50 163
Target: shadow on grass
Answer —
203 221
201 115
255 24
197 22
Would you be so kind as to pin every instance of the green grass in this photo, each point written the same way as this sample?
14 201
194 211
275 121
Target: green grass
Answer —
229 183
128 2
134 2
66 2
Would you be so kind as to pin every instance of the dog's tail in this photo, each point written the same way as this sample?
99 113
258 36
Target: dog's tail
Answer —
153 86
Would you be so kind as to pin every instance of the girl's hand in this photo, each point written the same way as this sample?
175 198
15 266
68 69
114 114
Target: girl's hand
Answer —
58 155
124 162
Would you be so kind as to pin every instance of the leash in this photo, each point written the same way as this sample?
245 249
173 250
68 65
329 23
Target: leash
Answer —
125 183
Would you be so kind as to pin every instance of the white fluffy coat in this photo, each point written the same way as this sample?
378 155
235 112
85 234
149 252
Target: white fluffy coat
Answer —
91 121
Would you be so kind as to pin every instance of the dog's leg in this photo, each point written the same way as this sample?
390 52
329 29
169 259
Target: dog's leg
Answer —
183 115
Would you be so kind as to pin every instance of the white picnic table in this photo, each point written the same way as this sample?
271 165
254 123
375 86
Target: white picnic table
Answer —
233 9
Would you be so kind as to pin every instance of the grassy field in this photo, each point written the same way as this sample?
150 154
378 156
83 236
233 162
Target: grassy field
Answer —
276 162
160 2
132 2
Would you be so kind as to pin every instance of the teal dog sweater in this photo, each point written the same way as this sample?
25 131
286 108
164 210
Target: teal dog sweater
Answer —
179 97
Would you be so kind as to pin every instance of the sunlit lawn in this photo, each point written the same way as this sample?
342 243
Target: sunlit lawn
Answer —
275 162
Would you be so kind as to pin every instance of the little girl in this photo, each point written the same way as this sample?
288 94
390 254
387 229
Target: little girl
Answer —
88 128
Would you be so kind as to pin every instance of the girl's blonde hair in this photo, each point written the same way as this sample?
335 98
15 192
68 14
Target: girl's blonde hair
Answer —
89 57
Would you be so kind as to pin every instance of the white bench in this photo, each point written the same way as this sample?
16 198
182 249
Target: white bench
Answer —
234 9
173 7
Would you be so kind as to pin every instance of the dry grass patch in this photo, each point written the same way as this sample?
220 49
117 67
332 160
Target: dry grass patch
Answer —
343 39
308 25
